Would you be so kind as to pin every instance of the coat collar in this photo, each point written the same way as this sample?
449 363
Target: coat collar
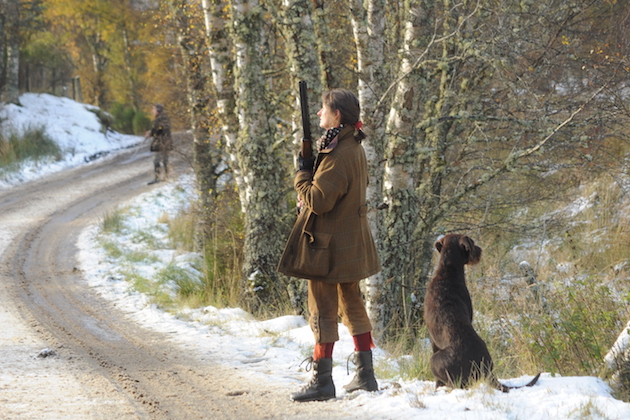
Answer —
347 131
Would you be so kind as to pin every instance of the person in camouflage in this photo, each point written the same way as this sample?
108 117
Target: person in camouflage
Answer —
162 142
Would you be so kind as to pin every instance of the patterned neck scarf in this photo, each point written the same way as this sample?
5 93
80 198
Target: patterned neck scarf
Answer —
330 135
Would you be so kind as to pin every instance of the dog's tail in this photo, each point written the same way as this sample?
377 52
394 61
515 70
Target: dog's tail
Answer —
505 388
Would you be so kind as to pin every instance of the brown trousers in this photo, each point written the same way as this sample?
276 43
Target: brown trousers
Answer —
327 302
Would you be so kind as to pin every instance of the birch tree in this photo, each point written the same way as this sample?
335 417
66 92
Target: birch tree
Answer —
207 156
302 59
222 64
368 27
303 52
468 114
617 363
400 176
259 159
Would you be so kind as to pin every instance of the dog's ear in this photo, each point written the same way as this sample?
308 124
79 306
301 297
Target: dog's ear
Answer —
473 252
439 245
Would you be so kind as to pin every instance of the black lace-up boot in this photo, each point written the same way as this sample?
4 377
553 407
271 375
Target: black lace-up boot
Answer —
321 386
364 376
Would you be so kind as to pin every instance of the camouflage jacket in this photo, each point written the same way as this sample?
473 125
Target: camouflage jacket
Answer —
161 133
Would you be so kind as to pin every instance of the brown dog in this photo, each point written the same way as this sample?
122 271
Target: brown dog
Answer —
460 356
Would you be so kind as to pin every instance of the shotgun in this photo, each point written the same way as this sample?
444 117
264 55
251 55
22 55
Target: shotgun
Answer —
307 148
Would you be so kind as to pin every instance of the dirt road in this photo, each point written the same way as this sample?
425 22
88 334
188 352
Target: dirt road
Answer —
105 366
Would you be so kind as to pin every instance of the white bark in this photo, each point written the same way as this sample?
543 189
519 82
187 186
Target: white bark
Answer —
368 25
399 180
263 179
618 360
303 60
221 62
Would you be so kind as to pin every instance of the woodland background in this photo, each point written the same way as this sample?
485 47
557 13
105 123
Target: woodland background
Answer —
482 117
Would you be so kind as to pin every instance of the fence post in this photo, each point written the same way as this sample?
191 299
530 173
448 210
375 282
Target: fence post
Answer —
76 89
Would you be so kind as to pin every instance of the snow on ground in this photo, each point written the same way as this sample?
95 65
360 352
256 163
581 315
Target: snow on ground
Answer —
275 348
75 129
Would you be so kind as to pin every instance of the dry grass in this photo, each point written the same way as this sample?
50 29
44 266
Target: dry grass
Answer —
564 314
33 143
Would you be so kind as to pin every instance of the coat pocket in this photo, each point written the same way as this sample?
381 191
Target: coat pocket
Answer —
312 255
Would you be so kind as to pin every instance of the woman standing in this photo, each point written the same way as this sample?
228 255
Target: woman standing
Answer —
331 244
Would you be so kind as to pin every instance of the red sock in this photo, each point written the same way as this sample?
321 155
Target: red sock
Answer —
363 342
323 351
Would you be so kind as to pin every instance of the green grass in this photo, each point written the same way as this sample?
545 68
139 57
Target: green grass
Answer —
33 144
213 279
155 290
147 239
113 221
565 324
140 256
186 284
111 247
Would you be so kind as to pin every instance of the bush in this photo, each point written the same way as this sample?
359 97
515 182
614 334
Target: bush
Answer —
122 118
128 120
567 328
140 123
574 337
105 118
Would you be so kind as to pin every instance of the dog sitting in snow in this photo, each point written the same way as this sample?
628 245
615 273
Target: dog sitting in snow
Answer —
460 356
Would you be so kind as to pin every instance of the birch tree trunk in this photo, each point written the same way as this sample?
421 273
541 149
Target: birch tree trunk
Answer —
11 14
326 51
222 67
207 158
401 174
304 64
264 180
618 363
429 190
368 25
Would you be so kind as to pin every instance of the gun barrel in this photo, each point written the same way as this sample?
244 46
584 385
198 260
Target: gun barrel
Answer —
307 150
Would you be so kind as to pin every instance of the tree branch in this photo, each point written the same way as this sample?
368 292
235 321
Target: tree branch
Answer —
508 163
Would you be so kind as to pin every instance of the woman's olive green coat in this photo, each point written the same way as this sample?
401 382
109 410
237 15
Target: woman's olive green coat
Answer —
339 247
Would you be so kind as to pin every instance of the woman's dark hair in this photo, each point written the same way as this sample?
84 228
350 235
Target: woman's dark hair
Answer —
159 108
348 105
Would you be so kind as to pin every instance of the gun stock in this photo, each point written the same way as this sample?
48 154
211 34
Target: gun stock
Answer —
307 148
